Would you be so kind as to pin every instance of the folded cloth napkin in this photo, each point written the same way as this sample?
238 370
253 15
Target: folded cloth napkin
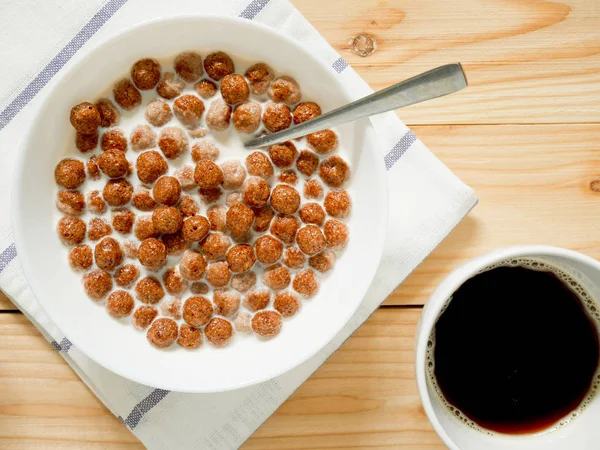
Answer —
38 40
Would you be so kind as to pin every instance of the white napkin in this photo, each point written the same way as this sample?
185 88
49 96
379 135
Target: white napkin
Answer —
40 38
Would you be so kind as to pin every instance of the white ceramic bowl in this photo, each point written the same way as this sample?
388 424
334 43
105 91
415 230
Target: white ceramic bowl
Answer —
116 345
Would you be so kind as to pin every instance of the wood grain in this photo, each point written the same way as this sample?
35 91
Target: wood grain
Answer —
364 396
5 303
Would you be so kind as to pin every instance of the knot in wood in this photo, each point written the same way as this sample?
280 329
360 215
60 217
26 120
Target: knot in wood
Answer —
363 45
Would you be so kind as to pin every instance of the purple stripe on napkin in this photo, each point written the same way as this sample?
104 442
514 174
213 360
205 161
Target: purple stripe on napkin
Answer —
253 8
7 256
153 399
399 149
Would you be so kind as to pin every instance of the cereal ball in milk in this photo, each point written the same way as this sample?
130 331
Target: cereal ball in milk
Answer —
188 66
217 215
174 283
336 234
255 192
218 115
268 249
257 299
142 138
126 95
117 192
310 239
243 323
313 189
199 288
206 89
233 198
170 86
258 165
142 199
218 65
277 277
171 307
167 190
152 254
218 332
294 258
71 230
85 118
239 219
123 220
323 262
119 304
277 117
285 227
243 281
143 317
70 202
285 199
283 155
108 254
226 302
81 258
97 283
337 204
69 173
145 73
188 206
114 138
86 142
234 174
246 117
305 283
285 89
307 163
92 168
130 247
189 338
195 228
109 114
197 311
267 323
175 243
205 150
334 171
312 213
126 275
259 76
172 142
158 113
306 111
215 245
207 174
149 290
211 195
144 228
234 89
163 332
262 218
192 265
188 109
98 228
96 203
286 303
113 163
240 258
185 176
218 274
323 142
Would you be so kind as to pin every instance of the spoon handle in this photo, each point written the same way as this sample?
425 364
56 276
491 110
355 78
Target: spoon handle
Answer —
435 83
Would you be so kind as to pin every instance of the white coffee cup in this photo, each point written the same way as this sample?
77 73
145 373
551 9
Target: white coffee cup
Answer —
581 433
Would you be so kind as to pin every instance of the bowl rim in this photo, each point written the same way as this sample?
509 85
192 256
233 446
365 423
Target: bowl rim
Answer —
17 197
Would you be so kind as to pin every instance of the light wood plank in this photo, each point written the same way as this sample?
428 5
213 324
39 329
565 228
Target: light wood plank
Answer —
5 303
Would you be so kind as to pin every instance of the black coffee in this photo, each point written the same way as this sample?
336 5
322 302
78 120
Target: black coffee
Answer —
515 351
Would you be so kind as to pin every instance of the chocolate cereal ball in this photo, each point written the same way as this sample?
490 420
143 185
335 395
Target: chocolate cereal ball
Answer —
240 258
142 138
171 308
233 198
188 206
145 73
188 66
234 174
323 142
86 142
285 89
305 283
259 76
283 155
144 228
96 203
204 150
268 249
313 189
97 284
286 303
142 199
218 332
239 219
215 245
98 228
197 311
158 113
167 191
294 258
188 109
70 202
218 274
218 65
277 117
336 234
258 165
277 277
114 138
226 302
117 192
69 173
122 221
80 257
334 171
206 89
185 176
207 174
152 254
243 323
310 239
307 163
262 218
285 227
109 114
71 230
195 228
257 299
323 262
217 215
175 243
199 288
119 304
192 265
306 111
312 213
113 163
126 95
85 118
266 323
92 168
130 247
234 89
173 142
163 332
189 338
285 199
170 86
243 281
174 283
209 196
126 275
337 204
218 115
108 254
143 317
255 192
246 117
149 290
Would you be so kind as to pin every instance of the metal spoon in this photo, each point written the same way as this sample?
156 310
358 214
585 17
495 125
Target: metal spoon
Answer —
435 83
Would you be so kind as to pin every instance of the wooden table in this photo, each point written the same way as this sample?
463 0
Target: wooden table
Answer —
525 135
